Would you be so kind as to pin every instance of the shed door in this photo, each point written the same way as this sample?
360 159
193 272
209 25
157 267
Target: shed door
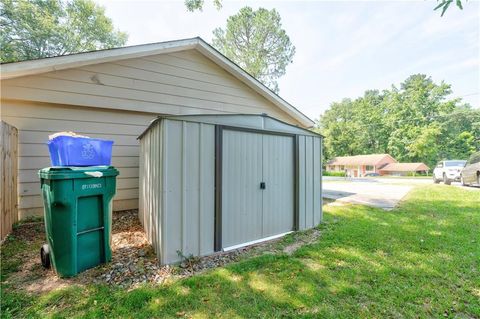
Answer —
249 212
278 174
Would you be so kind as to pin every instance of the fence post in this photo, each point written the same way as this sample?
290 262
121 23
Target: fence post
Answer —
8 180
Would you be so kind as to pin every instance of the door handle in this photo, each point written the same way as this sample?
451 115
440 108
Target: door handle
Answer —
262 185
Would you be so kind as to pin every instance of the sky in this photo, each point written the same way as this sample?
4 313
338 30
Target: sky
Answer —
343 48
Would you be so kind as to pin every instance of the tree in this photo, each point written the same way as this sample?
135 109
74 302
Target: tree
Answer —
371 109
256 41
415 122
340 122
425 144
193 5
32 29
444 4
462 131
463 145
412 119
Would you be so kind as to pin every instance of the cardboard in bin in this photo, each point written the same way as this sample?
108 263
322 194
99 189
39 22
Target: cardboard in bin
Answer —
70 149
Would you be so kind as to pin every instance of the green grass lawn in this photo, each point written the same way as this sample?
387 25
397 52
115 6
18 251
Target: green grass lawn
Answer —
421 260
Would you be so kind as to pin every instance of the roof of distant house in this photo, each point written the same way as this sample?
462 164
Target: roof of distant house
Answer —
405 167
371 159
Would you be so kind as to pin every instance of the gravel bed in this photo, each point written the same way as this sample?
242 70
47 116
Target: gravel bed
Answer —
133 259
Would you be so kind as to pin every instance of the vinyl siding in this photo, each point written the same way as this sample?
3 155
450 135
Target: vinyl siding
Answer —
177 83
36 121
117 101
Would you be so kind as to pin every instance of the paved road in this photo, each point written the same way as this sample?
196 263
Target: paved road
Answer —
377 192
383 180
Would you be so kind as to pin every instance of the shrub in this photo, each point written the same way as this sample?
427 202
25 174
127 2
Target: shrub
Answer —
329 173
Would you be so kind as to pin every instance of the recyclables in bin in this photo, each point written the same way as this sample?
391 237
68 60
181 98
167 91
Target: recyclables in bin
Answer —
79 151
77 217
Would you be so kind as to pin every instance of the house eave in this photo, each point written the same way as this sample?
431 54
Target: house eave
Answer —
32 67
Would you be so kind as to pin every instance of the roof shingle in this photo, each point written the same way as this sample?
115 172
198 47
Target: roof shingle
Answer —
371 159
405 167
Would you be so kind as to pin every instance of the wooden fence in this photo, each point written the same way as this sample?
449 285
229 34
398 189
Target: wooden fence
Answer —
8 182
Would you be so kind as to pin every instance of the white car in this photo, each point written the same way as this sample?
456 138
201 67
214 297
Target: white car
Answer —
448 171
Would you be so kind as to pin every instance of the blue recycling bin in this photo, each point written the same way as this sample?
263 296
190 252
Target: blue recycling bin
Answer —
80 151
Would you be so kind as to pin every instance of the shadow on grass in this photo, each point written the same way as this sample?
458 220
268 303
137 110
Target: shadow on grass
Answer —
420 260
268 286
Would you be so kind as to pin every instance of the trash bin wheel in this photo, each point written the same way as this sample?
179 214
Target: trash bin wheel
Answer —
45 256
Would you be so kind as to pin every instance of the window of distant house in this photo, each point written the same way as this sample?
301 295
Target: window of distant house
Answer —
369 168
342 167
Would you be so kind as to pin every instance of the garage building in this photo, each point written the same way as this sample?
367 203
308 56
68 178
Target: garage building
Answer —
216 182
115 94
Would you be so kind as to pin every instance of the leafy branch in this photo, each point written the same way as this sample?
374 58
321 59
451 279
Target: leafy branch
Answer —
444 4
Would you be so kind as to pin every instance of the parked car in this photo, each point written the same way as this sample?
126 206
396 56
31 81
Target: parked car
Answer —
448 171
471 172
372 174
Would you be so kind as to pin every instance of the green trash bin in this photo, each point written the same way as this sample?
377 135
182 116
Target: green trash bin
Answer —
77 202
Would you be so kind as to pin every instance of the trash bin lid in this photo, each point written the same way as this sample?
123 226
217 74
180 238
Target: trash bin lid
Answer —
71 172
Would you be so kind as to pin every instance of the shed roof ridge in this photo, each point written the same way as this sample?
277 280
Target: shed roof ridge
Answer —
186 117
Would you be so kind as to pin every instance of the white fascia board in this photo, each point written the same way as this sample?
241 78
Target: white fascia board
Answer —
253 83
18 69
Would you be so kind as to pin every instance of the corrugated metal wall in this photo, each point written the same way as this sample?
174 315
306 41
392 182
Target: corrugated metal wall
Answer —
189 197
150 188
309 181
177 188
177 184
279 175
249 212
241 194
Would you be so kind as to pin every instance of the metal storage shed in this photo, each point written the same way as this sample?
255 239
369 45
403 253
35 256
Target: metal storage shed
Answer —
215 182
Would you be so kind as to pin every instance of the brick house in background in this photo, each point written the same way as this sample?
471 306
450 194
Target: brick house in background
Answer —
360 165
383 164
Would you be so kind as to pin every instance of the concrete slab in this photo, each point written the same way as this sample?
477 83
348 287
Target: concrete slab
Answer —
366 192
383 192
